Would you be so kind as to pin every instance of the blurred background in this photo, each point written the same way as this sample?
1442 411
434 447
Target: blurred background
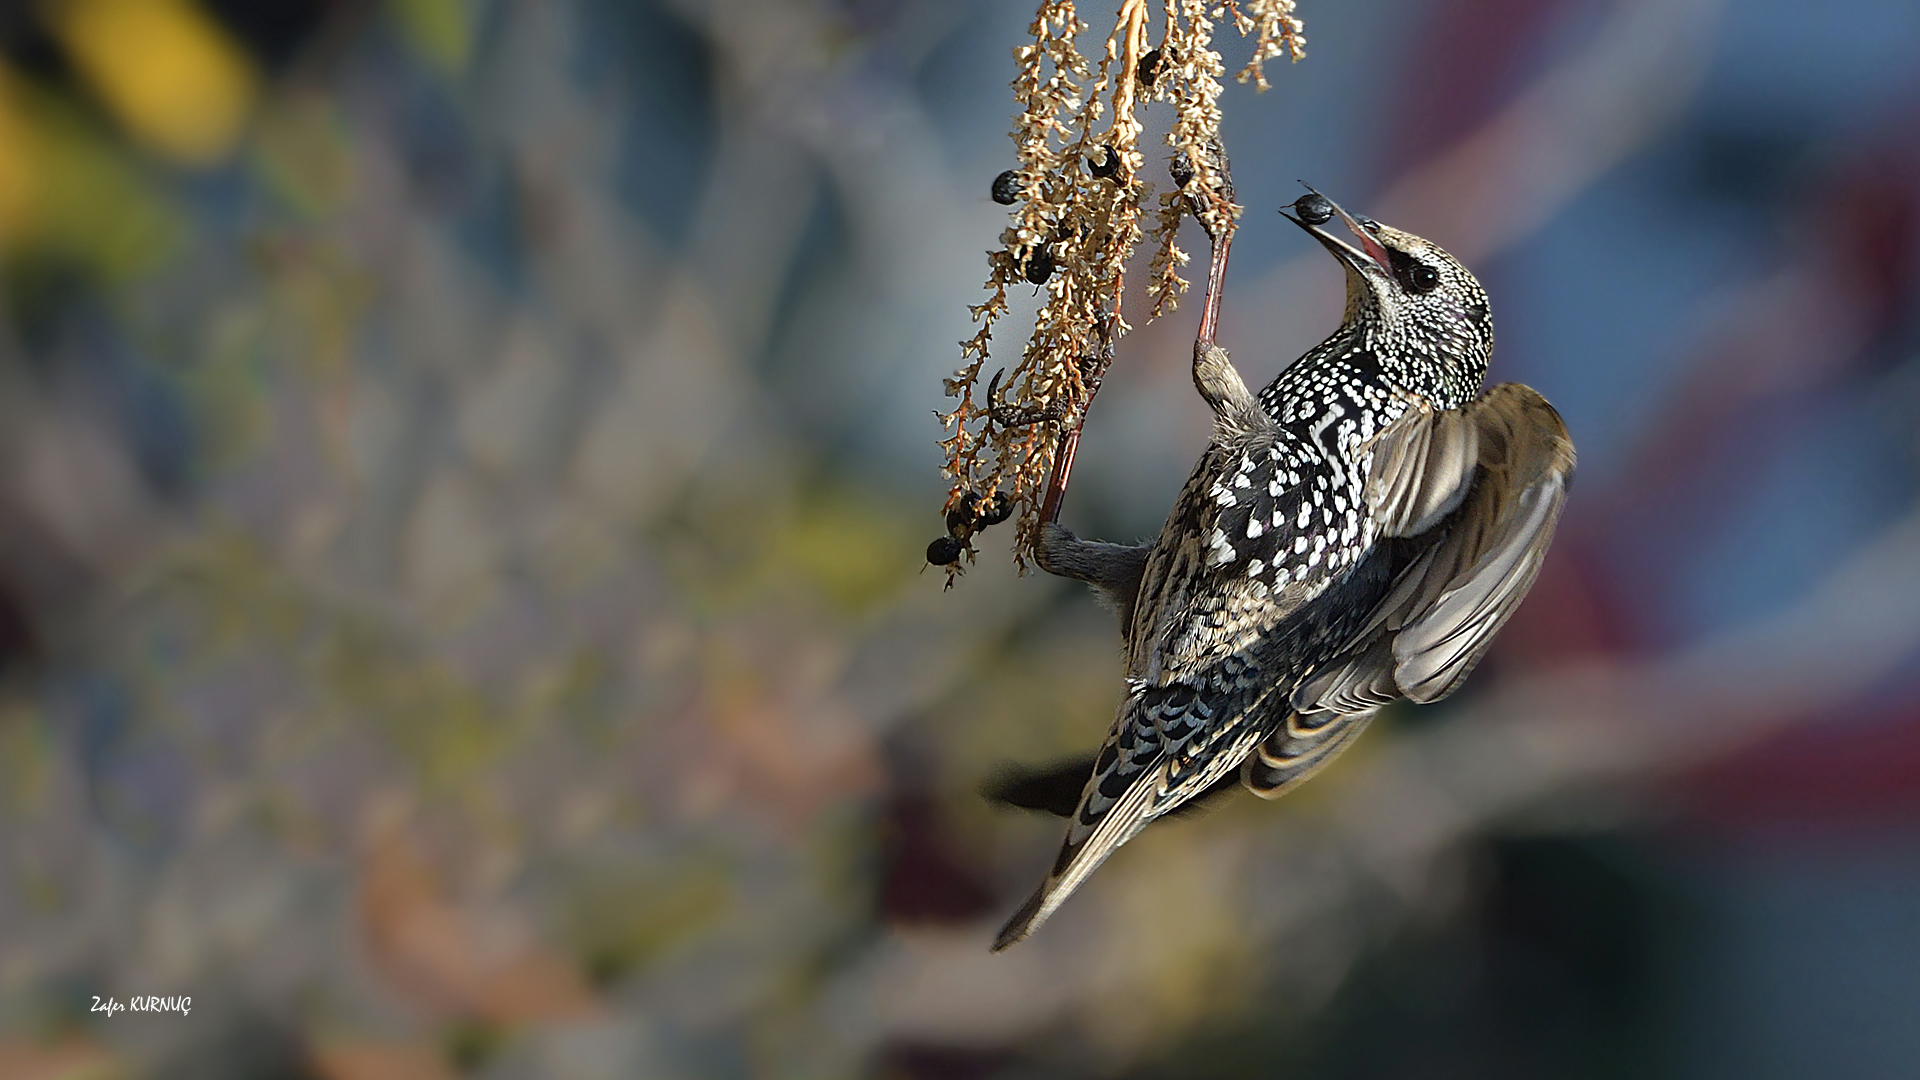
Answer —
465 464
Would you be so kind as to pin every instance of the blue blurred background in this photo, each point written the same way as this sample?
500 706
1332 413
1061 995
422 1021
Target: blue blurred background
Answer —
464 466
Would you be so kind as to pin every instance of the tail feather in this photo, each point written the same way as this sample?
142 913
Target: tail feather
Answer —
1079 858
1024 921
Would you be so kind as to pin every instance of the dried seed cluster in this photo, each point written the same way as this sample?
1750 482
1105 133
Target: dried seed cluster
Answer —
1077 220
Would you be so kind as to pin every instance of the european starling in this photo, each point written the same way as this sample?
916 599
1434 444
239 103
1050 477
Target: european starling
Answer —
1355 534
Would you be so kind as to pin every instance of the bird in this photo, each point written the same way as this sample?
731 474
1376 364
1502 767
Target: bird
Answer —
1354 534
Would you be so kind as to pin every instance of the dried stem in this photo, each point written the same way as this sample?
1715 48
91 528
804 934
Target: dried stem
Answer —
1078 225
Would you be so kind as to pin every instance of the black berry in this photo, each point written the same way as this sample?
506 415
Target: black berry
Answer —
1314 208
1182 170
944 551
994 509
1006 188
960 518
1149 67
1039 267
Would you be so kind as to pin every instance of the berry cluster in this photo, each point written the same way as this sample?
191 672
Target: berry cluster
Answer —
1080 208
971 514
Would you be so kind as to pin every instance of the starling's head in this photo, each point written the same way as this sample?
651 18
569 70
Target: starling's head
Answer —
1420 306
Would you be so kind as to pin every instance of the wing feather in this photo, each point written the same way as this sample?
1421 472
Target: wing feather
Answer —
1297 751
1423 466
1469 569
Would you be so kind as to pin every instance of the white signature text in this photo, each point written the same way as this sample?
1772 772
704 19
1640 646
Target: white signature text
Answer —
181 1005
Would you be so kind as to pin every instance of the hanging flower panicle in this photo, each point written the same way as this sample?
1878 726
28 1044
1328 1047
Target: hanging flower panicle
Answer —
1077 222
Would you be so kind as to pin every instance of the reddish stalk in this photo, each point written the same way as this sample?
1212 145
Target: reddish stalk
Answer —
1209 327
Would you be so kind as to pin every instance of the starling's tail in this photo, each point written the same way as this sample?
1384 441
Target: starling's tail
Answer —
1024 921
1085 849
1054 788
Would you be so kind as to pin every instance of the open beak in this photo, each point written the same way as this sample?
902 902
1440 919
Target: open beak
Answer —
1370 251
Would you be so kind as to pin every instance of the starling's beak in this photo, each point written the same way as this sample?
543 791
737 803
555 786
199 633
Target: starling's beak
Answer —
1371 250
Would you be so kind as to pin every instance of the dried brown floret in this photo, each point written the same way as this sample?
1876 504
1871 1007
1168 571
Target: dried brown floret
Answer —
1075 230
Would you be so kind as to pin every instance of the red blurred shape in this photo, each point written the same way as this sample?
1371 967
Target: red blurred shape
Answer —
1574 611
1876 228
1837 775
922 878
1460 68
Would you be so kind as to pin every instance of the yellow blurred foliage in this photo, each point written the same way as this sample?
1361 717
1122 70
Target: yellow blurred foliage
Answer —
66 190
16 171
301 150
164 69
442 30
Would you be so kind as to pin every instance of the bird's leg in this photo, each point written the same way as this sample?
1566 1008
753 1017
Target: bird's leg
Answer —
1214 376
1214 211
1215 214
1220 242
1114 570
1235 409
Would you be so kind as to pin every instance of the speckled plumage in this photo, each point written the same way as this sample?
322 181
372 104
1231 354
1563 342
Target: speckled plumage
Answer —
1354 534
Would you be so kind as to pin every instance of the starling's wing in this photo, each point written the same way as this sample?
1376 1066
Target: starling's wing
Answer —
1468 566
1299 748
1423 466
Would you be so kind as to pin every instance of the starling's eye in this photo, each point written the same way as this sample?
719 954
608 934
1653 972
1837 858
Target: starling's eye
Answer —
1415 276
